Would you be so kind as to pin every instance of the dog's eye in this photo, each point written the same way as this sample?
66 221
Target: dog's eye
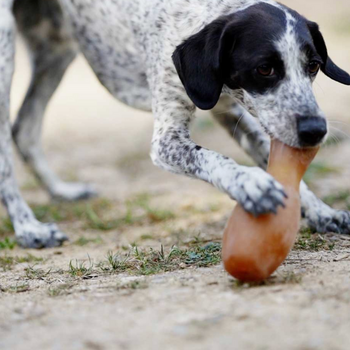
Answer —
266 70
314 67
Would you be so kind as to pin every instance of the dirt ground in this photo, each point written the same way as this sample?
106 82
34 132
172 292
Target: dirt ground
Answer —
142 268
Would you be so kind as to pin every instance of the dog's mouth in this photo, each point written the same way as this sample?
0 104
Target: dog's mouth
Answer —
273 136
291 143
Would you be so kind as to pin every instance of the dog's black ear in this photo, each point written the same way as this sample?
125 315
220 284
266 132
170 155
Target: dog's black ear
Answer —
200 62
329 67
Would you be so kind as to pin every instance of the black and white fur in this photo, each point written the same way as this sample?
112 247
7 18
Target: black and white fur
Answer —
169 57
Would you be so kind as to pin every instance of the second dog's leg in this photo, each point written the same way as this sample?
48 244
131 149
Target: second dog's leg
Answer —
29 232
245 129
52 50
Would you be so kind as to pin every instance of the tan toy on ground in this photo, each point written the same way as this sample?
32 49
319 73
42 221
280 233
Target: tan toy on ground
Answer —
253 248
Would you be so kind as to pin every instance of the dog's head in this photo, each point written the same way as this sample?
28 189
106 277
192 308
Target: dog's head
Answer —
269 56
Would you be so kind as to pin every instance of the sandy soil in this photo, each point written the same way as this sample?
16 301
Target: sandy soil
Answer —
45 304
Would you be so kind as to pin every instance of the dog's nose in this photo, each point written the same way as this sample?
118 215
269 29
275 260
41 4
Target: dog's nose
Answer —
311 130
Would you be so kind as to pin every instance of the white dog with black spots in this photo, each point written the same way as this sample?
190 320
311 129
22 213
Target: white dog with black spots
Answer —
251 62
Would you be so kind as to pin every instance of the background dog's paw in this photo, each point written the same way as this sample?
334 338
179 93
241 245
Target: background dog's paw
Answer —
37 235
323 219
337 222
72 191
258 192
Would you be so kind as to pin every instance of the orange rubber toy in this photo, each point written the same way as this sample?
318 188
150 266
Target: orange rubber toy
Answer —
254 247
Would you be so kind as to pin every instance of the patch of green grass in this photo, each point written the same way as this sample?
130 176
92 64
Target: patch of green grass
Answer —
28 258
94 215
96 222
6 262
81 269
115 262
205 256
132 216
7 243
69 211
51 212
318 169
150 261
36 274
83 241
144 261
312 242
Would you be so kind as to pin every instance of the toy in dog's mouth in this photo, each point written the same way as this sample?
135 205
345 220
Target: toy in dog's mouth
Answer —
254 247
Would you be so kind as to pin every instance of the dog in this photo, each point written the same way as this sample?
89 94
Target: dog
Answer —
251 62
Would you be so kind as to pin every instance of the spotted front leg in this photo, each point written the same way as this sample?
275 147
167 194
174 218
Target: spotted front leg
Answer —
173 150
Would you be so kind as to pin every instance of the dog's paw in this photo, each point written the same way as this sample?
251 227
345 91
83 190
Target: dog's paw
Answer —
72 191
323 219
34 234
341 221
258 192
